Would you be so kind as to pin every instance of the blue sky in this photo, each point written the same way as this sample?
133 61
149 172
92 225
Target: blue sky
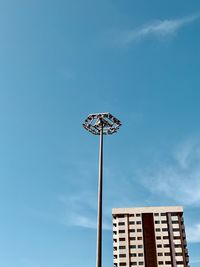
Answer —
61 60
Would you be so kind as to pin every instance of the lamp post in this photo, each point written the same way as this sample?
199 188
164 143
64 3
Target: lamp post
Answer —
100 124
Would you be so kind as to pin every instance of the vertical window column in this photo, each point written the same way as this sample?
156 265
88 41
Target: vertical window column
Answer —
171 241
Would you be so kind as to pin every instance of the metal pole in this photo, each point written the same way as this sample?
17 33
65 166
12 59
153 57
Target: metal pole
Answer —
99 215
100 124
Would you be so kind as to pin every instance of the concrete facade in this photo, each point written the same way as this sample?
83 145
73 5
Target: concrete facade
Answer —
150 237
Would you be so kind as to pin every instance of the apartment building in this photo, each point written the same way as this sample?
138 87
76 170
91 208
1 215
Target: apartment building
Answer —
150 237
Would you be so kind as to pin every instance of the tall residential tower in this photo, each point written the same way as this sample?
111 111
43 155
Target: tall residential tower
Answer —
149 237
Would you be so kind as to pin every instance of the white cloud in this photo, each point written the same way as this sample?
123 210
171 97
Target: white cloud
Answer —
158 29
79 206
195 261
88 222
81 212
178 177
193 234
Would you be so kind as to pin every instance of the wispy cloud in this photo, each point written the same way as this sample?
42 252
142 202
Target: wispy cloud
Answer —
81 211
79 206
178 177
157 28
194 260
193 233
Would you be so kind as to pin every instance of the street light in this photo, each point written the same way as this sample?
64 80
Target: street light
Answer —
100 124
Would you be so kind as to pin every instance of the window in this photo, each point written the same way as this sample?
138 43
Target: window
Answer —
120 216
179 262
167 254
166 245
114 232
121 231
132 215
156 214
157 222
139 230
175 221
140 254
173 213
179 254
159 246
122 247
176 230
122 264
122 255
177 246
157 229
133 263
168 262
132 246
163 214
164 221
160 262
177 237
133 255
131 222
164 229
138 222
121 223
165 237
140 246
114 224
122 239
132 238
160 254
158 237
139 238
138 215
132 230
141 262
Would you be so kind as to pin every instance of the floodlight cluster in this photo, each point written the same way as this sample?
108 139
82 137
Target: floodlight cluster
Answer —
95 122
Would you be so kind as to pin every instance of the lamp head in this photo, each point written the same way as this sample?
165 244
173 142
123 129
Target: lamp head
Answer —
96 122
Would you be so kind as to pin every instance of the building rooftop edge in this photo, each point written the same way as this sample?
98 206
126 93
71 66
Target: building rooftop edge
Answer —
148 209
